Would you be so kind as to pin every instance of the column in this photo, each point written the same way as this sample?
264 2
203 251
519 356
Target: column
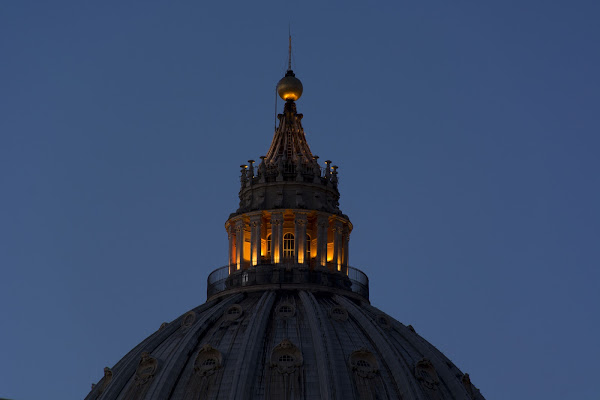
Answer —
276 237
231 237
322 226
239 235
337 244
300 237
345 244
255 226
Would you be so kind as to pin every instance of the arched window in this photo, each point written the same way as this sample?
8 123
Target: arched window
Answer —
308 245
288 245
269 246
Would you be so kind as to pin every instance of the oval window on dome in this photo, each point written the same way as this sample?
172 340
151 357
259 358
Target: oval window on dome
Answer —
286 358
209 362
233 312
286 310
338 313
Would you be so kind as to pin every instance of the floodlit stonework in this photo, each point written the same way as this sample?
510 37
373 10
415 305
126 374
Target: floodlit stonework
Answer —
287 317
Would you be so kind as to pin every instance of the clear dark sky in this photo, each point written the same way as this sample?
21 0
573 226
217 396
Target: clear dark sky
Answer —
467 136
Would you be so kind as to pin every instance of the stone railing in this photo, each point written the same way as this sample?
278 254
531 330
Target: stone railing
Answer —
288 171
287 276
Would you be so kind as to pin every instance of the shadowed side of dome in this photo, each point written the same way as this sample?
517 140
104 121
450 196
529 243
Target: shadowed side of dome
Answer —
285 344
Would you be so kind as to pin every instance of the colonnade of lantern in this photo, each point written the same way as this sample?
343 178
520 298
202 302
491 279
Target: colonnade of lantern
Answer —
313 239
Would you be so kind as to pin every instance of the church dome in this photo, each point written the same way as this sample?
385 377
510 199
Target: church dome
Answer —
285 344
287 317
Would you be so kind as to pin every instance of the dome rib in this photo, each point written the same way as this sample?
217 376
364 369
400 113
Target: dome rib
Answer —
321 343
177 358
255 330
373 332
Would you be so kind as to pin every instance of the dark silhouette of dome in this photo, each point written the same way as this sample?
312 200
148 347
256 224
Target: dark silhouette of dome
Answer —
285 344
288 317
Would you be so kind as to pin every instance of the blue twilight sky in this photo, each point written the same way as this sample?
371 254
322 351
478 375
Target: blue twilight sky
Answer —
467 135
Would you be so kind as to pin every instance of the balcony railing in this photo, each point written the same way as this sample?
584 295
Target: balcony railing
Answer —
220 280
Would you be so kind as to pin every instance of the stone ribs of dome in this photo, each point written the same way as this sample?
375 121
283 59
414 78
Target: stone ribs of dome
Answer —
284 345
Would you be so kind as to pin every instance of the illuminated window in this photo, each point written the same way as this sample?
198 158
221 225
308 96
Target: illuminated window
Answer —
269 246
288 245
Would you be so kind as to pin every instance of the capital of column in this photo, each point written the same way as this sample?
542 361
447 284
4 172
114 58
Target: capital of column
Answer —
239 225
301 218
255 220
322 220
276 218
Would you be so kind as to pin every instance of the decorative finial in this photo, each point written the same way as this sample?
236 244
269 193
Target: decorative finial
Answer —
289 87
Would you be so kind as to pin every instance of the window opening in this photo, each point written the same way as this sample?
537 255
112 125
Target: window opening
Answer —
269 246
308 245
209 362
286 358
285 309
288 245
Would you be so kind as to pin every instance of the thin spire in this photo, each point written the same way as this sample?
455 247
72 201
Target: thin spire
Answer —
290 49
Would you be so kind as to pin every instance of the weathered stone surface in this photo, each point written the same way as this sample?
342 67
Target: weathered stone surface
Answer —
274 344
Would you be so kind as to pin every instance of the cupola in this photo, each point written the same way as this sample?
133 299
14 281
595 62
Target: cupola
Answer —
289 215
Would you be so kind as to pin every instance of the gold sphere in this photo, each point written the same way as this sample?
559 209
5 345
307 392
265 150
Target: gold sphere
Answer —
289 87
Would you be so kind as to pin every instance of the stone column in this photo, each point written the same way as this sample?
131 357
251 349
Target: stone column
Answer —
300 236
239 235
231 237
345 244
255 225
276 237
322 227
337 244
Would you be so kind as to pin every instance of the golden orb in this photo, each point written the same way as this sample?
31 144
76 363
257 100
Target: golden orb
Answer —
289 87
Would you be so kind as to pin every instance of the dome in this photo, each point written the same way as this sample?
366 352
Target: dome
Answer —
288 317
285 344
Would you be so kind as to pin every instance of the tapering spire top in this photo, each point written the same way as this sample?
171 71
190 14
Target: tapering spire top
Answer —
290 53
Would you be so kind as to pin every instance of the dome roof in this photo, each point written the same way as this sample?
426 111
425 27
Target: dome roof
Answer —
287 317
285 344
